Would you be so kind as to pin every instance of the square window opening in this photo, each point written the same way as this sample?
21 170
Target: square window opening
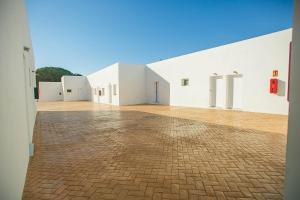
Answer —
184 82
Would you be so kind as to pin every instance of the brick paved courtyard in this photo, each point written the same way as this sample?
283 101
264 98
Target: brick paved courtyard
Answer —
89 151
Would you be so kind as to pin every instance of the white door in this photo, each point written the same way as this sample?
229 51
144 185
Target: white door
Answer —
237 93
27 97
156 85
212 91
219 93
109 93
81 95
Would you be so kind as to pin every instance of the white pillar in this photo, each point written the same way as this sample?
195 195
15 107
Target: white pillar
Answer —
292 172
228 91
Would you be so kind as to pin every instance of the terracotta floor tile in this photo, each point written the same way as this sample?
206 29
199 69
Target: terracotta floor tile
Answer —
90 151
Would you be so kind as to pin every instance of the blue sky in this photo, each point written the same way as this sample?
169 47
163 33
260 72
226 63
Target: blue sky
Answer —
86 35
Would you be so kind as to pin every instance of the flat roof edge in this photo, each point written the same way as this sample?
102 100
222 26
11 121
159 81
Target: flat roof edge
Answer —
231 43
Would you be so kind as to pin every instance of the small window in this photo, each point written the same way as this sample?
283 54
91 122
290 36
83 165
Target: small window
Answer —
69 90
99 93
184 82
103 92
60 93
115 89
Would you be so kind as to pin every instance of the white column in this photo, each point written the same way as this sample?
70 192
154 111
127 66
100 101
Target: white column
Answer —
292 172
228 83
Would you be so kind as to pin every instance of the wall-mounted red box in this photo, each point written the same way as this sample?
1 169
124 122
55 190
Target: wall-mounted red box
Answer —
273 85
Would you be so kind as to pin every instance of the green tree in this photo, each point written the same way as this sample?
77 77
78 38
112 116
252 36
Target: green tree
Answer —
52 74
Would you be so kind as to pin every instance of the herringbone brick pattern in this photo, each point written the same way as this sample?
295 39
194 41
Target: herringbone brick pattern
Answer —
125 154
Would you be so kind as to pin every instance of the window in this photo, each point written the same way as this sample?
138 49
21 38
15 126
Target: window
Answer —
103 92
99 93
115 89
69 90
184 82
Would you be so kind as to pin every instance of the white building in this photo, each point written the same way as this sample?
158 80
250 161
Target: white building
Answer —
75 88
232 76
119 84
17 104
50 91
236 75
191 80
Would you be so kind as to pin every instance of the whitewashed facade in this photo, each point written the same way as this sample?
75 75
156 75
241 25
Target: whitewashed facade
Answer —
17 104
75 88
212 73
232 76
50 91
102 83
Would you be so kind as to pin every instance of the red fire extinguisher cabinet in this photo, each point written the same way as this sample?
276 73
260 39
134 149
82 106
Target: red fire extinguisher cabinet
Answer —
273 85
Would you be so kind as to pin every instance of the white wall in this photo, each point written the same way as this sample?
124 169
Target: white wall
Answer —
255 59
103 79
17 104
79 87
132 79
50 91
163 91
292 173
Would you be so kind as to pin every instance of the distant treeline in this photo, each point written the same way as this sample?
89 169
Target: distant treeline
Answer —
52 74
